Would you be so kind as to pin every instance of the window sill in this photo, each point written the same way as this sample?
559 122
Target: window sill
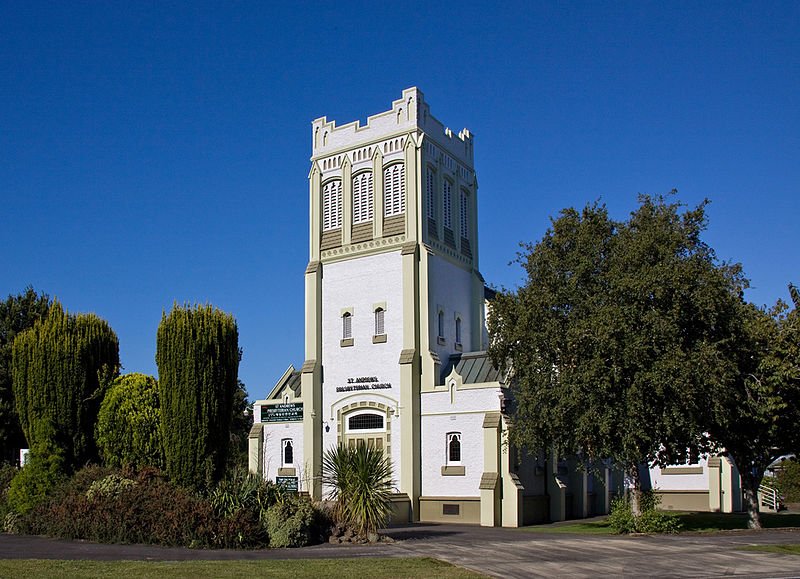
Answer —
459 347
287 471
346 342
453 470
381 339
441 341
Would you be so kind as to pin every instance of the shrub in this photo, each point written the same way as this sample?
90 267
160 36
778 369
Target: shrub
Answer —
293 522
111 486
243 490
128 424
41 475
650 520
788 481
621 519
361 485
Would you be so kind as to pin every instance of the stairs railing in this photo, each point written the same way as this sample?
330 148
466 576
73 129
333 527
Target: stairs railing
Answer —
768 497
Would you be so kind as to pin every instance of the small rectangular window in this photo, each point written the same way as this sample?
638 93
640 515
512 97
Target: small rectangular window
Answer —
451 509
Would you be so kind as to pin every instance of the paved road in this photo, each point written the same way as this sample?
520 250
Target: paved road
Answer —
495 552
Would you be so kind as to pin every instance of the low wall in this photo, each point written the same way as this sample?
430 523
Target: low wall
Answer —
450 510
684 500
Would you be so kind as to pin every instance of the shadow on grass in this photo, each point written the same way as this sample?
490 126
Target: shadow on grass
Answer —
710 522
690 522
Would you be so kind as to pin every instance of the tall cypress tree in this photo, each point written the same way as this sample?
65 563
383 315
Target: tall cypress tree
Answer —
197 353
17 313
57 367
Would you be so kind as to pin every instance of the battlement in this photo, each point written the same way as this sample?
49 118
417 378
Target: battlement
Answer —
408 114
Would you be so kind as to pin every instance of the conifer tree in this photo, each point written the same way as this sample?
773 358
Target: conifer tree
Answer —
59 371
197 353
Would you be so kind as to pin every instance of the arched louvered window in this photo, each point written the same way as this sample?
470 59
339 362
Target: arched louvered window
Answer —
347 326
380 328
394 194
453 447
430 190
447 204
332 205
362 197
464 211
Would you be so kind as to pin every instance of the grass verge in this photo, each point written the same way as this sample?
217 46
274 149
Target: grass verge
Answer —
782 549
692 522
365 567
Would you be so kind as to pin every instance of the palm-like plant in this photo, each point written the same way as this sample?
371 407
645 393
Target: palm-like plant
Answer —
360 482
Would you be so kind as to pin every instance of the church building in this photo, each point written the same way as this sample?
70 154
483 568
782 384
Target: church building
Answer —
395 336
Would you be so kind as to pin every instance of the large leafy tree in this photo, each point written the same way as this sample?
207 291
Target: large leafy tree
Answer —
760 409
619 337
17 313
129 423
60 368
197 353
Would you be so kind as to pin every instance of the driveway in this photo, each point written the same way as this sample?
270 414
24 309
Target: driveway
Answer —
495 552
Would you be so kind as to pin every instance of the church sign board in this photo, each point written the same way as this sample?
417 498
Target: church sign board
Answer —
289 483
285 412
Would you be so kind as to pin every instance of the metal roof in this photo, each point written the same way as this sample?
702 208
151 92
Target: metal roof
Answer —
473 367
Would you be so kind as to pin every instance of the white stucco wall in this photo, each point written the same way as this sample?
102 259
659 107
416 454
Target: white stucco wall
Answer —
358 284
465 415
685 482
450 287
274 433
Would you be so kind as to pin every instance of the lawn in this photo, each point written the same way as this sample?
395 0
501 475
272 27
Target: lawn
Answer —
692 522
781 549
329 568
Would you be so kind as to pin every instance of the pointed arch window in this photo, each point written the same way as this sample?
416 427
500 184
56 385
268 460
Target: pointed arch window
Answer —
332 205
394 194
464 214
458 331
362 197
287 453
453 448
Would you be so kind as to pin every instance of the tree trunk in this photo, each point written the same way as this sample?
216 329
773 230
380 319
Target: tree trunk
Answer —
635 492
750 487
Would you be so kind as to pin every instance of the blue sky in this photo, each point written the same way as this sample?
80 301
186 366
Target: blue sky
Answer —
153 152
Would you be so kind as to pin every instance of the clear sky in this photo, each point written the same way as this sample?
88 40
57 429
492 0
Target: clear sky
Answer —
153 152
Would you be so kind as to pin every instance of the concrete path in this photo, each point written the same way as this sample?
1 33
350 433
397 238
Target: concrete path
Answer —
494 552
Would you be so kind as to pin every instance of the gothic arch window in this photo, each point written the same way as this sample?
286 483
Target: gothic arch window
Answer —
332 205
394 194
458 330
287 452
453 448
440 324
362 197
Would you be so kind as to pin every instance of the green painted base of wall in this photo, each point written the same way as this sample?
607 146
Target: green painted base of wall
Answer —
684 500
463 509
